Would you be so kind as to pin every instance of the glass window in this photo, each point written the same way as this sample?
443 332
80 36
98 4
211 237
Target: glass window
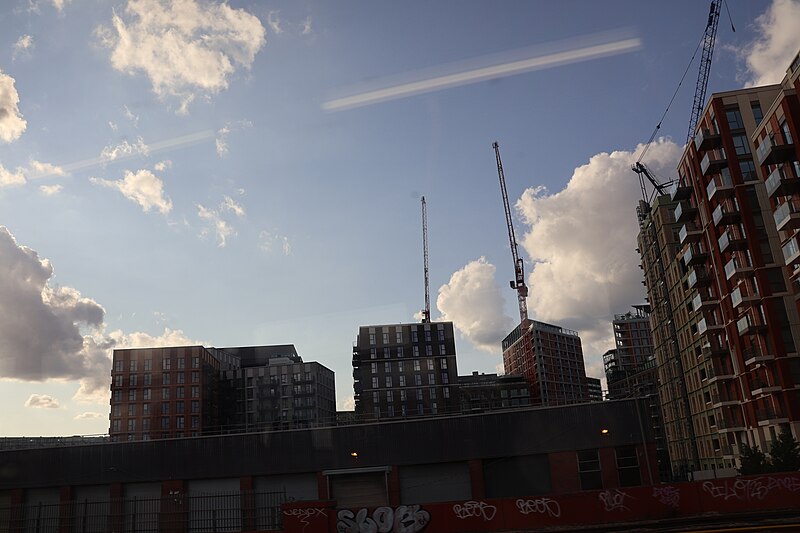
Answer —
628 466
372 339
145 409
164 408
133 365
757 113
427 335
195 377
416 365
374 368
146 394
148 364
180 392
734 118
374 383
402 381
416 351
446 392
741 144
399 337
115 425
414 336
195 362
389 396
419 394
386 353
399 351
165 393
433 393
428 350
179 422
386 338
132 380
430 364
787 135
388 381
443 363
132 395
118 365
195 421
117 396
116 410
195 392
148 380
132 409
417 380
165 378
431 379
166 363
589 470
387 367
372 354
181 363
132 424
118 380
195 406
164 422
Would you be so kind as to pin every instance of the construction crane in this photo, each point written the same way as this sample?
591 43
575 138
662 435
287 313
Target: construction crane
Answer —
709 37
426 313
519 273
644 172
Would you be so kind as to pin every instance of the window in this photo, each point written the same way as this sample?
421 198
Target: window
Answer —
374 383
179 408
181 377
148 380
118 380
446 392
734 118
442 349
118 365
195 362
388 381
180 392
430 364
164 422
132 380
443 363
132 409
372 339
400 366
402 395
146 409
402 381
148 364
445 378
386 338
628 466
416 351
427 335
195 407
164 408
414 336
390 410
429 350
757 113
132 395
372 354
166 363
419 394
389 396
741 144
399 337
432 393
399 351
441 334
179 422
416 365
387 367
374 368
132 424
115 426
787 135
376 398
377 412
146 424
165 378
195 422
116 410
434 408
748 169
195 377
386 353
117 395
165 393
133 365
181 363
146 394
589 470
417 380
431 378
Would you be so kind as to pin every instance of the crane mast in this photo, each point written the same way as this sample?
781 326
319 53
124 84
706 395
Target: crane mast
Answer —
519 272
709 37
426 313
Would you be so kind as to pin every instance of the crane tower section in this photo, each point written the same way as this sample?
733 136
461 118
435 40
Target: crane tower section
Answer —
426 313
709 37
519 272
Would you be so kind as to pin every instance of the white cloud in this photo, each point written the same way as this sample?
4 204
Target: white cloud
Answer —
229 204
185 48
582 241
113 125
39 169
768 56
473 302
12 125
274 22
348 404
221 227
130 116
50 190
143 187
124 149
60 4
90 415
225 131
163 165
268 242
23 44
10 179
42 401
306 26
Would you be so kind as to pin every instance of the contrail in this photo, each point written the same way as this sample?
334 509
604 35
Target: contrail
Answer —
474 75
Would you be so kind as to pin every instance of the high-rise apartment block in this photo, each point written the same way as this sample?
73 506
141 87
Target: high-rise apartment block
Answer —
405 370
551 359
594 389
714 253
487 392
187 391
634 350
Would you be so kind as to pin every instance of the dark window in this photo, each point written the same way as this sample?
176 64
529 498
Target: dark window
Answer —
757 113
734 118
748 169
741 144
589 470
628 466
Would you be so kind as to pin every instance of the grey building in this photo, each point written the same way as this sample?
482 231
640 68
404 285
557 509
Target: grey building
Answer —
595 389
481 392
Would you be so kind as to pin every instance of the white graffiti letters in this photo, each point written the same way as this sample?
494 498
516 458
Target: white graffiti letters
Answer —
613 500
473 508
303 514
541 506
670 496
404 519
751 489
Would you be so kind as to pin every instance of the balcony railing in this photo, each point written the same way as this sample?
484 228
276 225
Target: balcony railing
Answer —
787 216
714 160
720 372
730 423
684 211
698 277
694 255
756 354
689 233
726 213
791 251
744 293
738 265
772 150
679 191
782 182
763 415
703 300
718 399
732 239
749 324
706 139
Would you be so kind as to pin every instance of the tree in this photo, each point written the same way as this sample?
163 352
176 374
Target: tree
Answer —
753 461
785 453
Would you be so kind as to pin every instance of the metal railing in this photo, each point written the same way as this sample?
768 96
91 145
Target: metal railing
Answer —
230 511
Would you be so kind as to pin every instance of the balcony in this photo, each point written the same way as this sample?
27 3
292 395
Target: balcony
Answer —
704 301
749 324
726 213
729 423
707 325
767 417
782 182
719 373
731 240
760 388
684 212
714 347
791 251
755 354
721 400
738 267
771 151
787 216
706 139
690 233
694 255
698 277
745 293
714 161
679 191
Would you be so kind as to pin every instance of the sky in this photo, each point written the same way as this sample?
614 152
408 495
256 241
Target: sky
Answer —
250 172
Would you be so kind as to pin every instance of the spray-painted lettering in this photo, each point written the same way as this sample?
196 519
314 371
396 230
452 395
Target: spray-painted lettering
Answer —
477 509
305 514
670 496
750 489
613 500
403 519
541 506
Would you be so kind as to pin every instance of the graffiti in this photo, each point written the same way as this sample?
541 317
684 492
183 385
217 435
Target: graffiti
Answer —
404 519
304 514
541 506
614 500
477 509
750 489
670 496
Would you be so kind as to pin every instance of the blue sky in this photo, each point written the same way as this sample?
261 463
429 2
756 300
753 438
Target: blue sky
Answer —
174 173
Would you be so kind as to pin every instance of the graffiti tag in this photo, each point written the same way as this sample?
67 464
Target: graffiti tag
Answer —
404 519
305 514
670 496
541 506
477 509
750 489
613 500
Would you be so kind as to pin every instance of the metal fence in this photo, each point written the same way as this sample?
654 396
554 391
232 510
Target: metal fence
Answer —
178 513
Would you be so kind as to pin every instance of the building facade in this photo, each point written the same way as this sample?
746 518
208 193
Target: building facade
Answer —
551 359
594 389
487 392
189 391
725 321
634 348
404 370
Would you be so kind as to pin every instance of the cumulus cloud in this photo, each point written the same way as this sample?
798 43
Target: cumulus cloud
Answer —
768 56
90 415
306 26
582 241
42 401
185 48
12 125
124 149
473 302
39 169
23 44
142 187
10 178
274 22
60 4
269 241
161 166
50 190
215 219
